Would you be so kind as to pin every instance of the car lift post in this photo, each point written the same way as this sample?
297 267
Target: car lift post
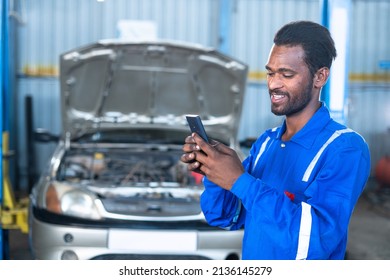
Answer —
2 234
13 214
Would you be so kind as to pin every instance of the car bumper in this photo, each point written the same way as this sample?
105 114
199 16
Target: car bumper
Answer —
55 242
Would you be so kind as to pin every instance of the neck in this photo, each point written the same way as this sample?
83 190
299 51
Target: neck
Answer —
297 121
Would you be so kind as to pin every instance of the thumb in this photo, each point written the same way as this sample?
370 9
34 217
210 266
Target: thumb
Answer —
220 147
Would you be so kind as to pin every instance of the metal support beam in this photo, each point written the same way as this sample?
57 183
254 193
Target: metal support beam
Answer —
225 14
335 15
3 5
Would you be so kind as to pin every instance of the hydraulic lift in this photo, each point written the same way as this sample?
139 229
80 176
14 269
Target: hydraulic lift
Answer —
13 213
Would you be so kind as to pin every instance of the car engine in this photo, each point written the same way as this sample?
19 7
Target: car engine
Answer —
124 167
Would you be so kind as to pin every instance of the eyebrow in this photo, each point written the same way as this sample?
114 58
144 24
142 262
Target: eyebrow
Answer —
280 69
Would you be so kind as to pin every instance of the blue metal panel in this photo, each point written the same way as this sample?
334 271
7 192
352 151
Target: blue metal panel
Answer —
384 64
225 14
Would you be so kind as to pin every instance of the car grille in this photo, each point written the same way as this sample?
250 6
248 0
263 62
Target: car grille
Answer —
168 207
148 257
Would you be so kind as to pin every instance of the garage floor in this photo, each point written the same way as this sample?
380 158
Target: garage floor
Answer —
369 235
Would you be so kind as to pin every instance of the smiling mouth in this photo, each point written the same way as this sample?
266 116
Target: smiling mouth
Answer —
276 98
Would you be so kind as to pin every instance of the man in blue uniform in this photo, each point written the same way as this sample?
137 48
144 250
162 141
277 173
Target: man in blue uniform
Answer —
295 193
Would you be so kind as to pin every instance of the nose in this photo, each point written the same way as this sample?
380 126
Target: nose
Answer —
274 82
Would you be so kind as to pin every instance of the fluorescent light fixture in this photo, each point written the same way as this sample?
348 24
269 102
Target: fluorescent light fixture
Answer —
338 27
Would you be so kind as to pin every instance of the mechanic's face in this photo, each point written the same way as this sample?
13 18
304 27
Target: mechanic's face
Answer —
289 81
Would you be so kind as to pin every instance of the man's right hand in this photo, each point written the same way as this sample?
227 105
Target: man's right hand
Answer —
189 157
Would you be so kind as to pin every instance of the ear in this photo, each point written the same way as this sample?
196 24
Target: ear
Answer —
320 77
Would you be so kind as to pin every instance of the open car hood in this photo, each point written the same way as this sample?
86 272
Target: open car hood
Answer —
123 85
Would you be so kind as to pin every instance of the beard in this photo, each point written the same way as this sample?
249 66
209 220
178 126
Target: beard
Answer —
294 104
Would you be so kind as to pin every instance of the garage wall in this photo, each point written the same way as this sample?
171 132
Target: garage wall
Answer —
254 24
45 28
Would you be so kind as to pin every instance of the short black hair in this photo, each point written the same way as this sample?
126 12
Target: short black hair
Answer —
315 40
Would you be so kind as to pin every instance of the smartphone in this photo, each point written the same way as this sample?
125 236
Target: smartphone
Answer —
196 125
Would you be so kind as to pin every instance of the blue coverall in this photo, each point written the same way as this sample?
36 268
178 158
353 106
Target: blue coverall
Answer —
296 198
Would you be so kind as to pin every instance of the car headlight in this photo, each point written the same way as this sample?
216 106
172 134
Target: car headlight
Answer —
72 201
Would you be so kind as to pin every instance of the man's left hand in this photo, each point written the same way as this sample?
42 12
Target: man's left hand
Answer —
219 163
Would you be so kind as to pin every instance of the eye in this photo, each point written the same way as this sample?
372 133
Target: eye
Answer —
270 74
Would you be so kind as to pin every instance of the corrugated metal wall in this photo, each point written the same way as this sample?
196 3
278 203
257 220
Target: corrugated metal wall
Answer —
370 37
253 28
369 91
46 28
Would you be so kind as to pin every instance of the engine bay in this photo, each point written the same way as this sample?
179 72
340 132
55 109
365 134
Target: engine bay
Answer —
126 167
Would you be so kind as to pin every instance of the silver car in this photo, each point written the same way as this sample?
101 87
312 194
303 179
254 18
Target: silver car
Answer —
115 187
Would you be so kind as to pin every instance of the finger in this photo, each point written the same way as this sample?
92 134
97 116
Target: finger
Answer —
195 166
212 147
189 140
200 157
202 145
187 157
223 148
188 148
214 142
